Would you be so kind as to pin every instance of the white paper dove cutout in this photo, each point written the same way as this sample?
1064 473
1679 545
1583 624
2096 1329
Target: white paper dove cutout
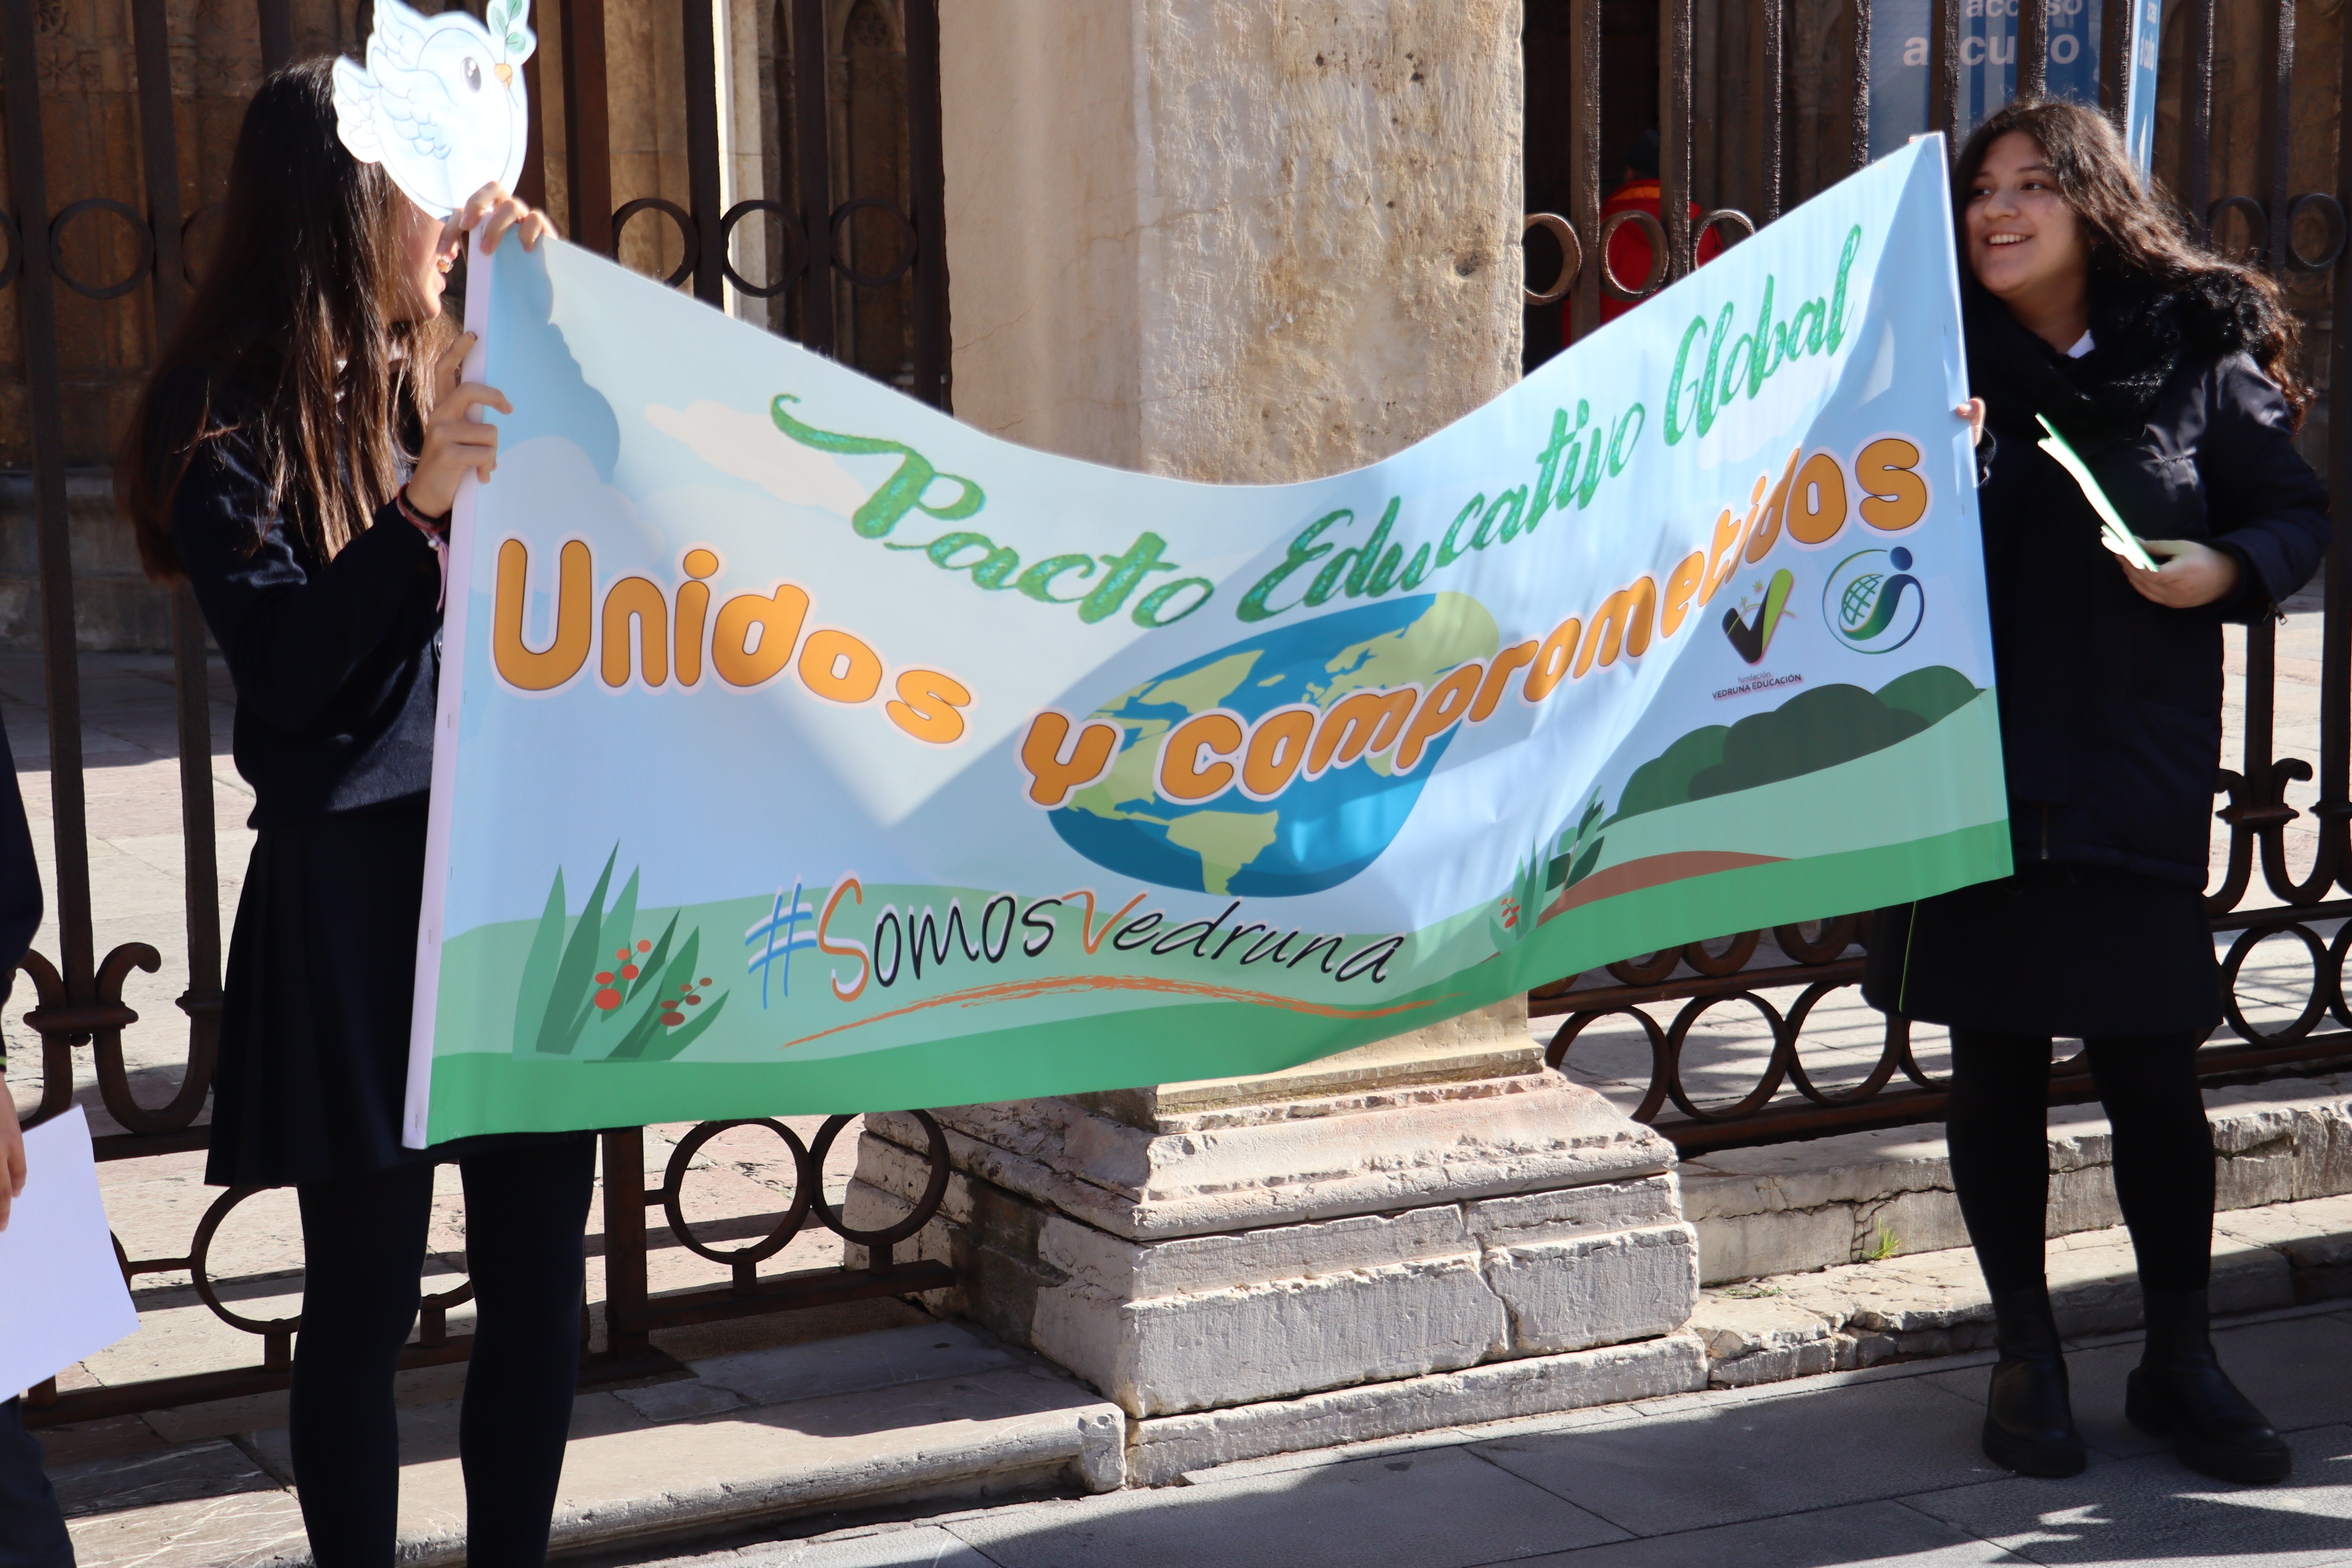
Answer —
440 103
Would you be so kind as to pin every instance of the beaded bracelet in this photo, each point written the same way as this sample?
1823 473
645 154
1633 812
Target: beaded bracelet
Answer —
436 532
409 509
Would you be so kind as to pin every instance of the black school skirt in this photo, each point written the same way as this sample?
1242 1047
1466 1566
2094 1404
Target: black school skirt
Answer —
2071 951
314 1011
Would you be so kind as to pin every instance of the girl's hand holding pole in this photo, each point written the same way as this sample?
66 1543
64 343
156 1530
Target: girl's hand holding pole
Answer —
453 440
494 211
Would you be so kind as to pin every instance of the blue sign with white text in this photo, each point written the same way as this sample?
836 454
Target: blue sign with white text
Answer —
1902 54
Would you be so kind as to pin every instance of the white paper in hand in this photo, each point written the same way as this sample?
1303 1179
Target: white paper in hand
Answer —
2114 532
61 1291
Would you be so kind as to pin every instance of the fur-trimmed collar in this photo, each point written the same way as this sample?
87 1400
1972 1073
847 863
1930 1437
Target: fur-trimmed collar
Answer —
2143 335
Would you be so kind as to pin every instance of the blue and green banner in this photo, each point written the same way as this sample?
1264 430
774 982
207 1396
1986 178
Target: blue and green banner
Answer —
804 750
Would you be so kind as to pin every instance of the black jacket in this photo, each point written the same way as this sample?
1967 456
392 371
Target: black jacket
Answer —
2111 705
336 662
20 881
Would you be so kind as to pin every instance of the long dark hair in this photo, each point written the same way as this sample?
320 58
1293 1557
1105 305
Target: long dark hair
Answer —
289 344
2137 237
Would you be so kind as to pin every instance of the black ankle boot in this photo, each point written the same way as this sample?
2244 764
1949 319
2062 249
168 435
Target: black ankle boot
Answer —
2029 1424
2180 1392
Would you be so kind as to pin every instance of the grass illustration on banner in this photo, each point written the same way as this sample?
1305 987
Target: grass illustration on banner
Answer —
1578 848
784 922
1513 914
601 972
1544 875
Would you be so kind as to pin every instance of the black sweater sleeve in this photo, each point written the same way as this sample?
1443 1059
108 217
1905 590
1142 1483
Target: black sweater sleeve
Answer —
336 661
2264 504
293 634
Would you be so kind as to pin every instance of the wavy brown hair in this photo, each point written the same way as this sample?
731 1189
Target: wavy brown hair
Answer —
291 344
2138 236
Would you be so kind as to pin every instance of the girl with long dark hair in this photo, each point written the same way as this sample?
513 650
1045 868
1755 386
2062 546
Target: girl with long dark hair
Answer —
295 459
2172 372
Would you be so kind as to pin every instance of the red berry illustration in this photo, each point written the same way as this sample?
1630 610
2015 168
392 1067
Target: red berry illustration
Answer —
623 952
672 1019
643 946
628 971
608 999
604 978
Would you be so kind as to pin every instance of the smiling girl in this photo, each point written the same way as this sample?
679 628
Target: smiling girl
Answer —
295 459
2172 372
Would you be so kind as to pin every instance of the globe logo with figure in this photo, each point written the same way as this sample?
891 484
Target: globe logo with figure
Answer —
1320 830
1871 603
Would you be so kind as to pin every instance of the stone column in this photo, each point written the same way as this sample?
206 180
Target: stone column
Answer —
1232 240
1433 1231
1242 241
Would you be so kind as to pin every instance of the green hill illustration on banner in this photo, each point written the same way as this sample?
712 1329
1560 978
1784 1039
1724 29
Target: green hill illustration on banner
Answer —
1814 730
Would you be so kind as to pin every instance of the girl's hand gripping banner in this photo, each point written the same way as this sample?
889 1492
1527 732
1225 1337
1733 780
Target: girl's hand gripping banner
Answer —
802 750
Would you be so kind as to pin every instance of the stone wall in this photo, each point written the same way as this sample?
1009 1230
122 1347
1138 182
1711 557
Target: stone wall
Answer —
116 609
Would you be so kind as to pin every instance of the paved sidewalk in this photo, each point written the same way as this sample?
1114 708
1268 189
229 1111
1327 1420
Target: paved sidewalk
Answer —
926 1411
1877 1467
799 1437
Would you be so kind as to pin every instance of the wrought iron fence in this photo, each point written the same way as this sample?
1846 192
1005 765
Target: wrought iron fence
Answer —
1806 964
79 996
834 246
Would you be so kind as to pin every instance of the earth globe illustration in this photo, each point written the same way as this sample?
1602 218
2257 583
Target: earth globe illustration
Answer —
1317 833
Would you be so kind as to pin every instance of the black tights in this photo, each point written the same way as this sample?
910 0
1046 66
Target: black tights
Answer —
364 1240
1999 1129
32 1531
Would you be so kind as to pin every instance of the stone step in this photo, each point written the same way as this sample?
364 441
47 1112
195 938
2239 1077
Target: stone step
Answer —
1935 1304
1169 1447
927 1411
1791 1208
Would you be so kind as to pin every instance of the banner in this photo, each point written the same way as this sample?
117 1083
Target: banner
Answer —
802 750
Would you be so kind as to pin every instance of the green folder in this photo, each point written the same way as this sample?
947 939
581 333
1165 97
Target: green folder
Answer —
2112 534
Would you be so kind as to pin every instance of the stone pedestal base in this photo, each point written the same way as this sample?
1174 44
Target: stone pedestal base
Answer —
1438 1223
